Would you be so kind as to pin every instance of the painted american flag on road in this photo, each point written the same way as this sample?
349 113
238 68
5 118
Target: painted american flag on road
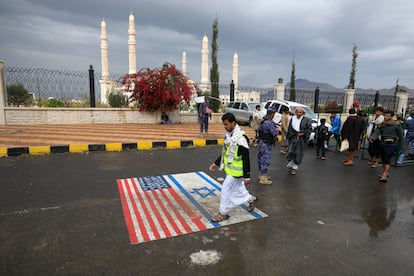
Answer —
158 207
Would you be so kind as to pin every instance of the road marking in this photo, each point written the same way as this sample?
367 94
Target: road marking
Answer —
158 207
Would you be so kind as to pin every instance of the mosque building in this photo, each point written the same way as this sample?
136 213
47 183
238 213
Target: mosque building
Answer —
107 85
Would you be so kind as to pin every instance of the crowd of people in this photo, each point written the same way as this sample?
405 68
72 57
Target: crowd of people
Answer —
384 133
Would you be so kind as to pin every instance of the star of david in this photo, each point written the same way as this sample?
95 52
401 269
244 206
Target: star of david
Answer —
204 192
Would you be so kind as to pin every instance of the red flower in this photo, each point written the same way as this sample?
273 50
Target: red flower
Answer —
356 104
158 89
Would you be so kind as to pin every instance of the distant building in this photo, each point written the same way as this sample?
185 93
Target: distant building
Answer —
251 96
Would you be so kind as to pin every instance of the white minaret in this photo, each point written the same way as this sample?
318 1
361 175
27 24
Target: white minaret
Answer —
132 46
204 84
106 84
184 64
235 71
104 52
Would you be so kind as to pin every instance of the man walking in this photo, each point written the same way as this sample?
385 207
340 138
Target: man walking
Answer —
299 130
352 131
374 144
336 127
257 118
267 138
235 160
204 113
391 135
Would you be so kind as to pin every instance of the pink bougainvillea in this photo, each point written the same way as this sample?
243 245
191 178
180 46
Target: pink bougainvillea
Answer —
158 89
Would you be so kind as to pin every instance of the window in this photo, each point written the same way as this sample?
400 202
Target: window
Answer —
244 106
236 105
276 106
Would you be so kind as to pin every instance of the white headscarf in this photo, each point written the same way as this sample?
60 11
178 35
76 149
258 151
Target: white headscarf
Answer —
232 140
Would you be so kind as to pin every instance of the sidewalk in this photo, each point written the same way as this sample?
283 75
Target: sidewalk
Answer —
43 139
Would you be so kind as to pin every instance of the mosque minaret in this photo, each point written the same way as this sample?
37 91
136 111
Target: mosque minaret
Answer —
235 71
184 64
204 83
132 46
104 82
104 52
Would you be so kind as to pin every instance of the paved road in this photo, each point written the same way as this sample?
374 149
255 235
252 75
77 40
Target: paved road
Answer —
61 215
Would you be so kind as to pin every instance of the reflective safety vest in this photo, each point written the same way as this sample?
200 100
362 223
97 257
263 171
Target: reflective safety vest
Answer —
233 163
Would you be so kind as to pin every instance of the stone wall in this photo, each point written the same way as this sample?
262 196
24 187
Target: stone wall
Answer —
38 116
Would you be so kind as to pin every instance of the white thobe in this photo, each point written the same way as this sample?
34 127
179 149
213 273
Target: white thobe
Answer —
233 194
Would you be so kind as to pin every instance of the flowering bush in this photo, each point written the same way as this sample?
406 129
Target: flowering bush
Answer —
356 105
158 89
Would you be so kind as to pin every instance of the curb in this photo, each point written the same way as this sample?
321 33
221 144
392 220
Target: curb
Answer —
80 148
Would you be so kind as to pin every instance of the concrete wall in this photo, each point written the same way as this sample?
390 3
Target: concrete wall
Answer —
38 116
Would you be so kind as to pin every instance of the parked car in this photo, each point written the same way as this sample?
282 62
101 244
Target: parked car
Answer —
243 111
279 106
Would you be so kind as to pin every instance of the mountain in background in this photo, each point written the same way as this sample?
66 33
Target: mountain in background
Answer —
310 85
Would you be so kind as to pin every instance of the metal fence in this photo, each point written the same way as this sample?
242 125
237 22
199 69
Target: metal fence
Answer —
307 96
74 85
60 84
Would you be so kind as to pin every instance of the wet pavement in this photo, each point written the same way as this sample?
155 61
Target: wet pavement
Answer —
61 215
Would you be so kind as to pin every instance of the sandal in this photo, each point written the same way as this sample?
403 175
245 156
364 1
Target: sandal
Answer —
383 179
252 204
374 165
219 217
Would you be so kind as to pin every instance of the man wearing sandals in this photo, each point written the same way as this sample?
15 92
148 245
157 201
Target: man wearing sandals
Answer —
374 146
235 160
391 135
299 130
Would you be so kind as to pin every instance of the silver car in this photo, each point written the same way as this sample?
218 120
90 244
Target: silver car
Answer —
243 111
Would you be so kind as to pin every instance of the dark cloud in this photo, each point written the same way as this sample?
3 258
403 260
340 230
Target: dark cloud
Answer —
267 35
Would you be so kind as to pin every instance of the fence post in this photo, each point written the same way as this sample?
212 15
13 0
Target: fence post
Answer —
232 91
316 100
2 94
279 90
91 86
376 99
402 102
349 99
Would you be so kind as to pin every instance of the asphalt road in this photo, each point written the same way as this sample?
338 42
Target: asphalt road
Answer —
61 215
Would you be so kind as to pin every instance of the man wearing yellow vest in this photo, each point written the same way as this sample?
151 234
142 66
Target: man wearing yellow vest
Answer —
235 161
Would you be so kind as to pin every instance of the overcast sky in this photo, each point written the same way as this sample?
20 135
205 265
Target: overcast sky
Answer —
267 35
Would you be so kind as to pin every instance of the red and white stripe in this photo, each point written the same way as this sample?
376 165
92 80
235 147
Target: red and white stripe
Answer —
156 214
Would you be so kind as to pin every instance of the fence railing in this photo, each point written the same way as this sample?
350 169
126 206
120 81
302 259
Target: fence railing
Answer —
74 85
44 83
307 96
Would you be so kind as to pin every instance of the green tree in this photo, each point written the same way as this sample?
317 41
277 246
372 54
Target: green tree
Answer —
214 72
17 94
292 95
117 99
353 70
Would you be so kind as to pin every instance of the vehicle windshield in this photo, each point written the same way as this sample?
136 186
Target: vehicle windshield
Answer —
252 106
308 112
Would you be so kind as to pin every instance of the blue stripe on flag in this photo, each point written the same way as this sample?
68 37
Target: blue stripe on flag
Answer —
201 174
217 187
193 201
